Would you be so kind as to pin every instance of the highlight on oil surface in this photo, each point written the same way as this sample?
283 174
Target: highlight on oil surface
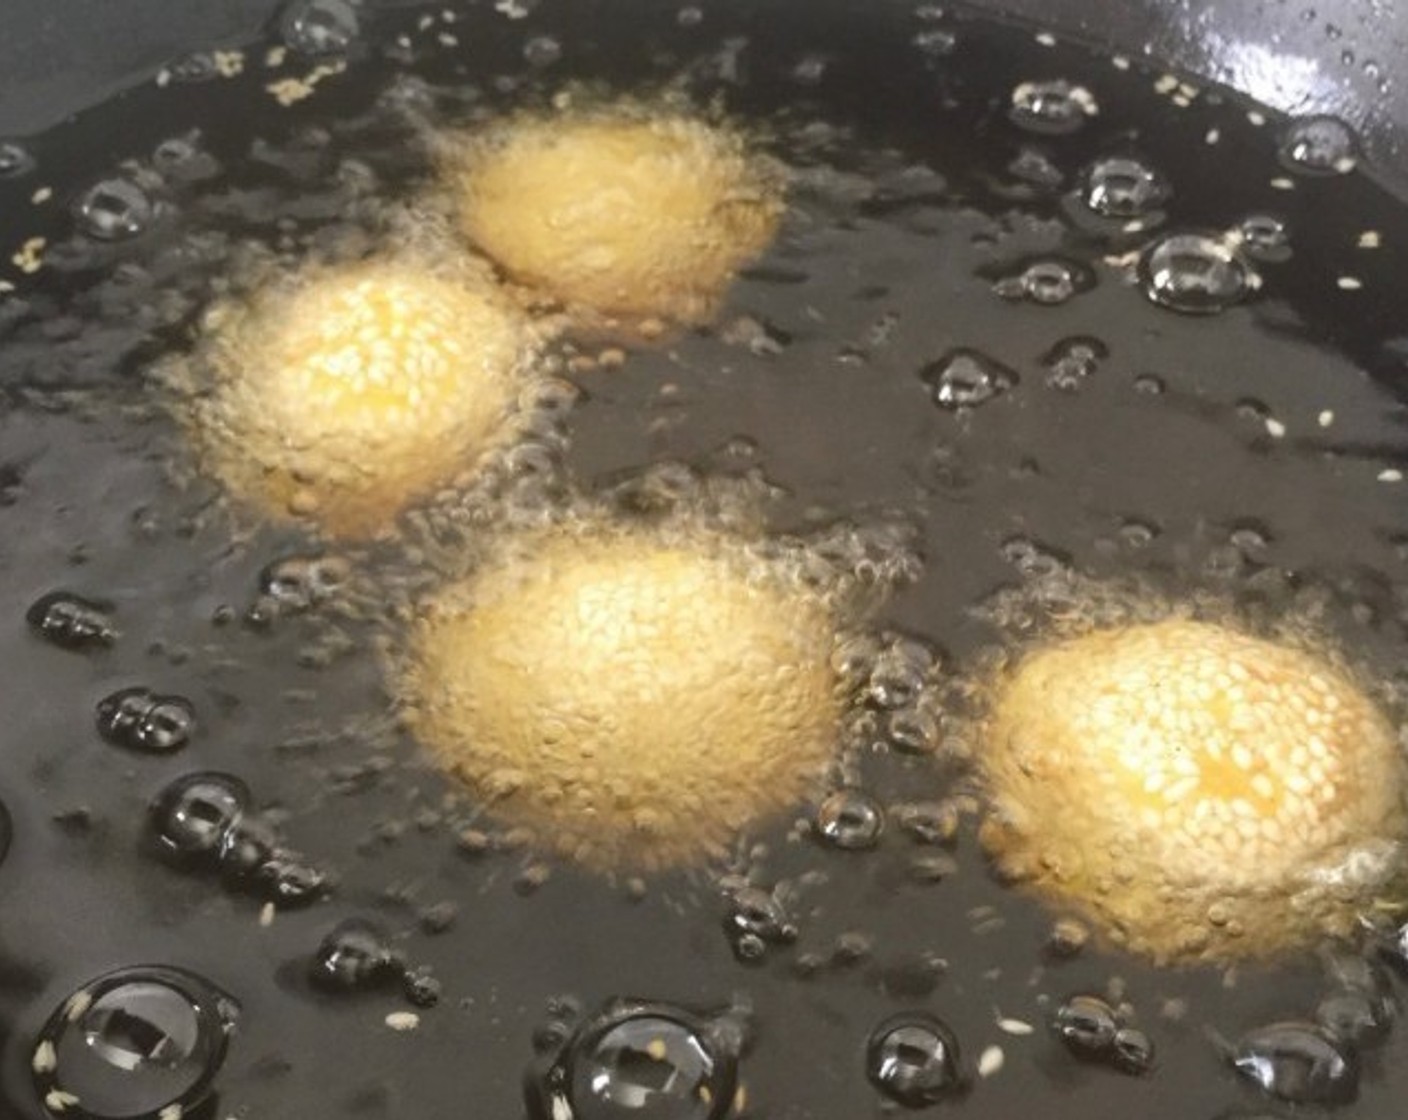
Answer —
343 393
625 210
632 694
1199 792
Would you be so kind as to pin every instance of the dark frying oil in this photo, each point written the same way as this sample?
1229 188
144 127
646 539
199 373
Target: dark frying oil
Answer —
1200 450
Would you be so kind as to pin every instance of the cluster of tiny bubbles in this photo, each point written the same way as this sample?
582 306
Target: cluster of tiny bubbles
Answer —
1123 187
1072 361
1048 281
1196 273
898 680
15 160
141 1043
965 378
71 621
1263 238
1319 146
142 720
115 209
849 819
1094 1031
319 27
204 821
913 1059
638 1058
756 920
1053 107
297 584
356 955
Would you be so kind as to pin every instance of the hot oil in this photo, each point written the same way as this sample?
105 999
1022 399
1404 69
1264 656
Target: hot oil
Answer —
946 333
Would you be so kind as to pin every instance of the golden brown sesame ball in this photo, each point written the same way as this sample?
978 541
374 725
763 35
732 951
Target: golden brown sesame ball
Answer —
350 392
622 213
1201 792
632 701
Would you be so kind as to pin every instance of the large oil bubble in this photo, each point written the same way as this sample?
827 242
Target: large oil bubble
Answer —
625 210
341 394
1200 791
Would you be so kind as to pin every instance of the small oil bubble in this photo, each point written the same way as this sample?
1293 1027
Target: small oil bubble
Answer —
1195 273
300 583
114 210
1300 1063
757 919
140 719
914 1060
1123 187
1319 146
200 66
850 819
1265 238
194 815
1073 361
541 51
138 1044
15 160
1053 107
71 622
319 27
354 955
965 379
1048 282
1087 1025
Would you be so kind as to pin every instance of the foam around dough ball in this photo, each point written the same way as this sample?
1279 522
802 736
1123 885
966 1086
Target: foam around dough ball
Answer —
632 702
628 216
1200 791
359 390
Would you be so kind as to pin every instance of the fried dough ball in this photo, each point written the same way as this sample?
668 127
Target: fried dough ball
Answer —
1200 792
349 392
620 212
633 701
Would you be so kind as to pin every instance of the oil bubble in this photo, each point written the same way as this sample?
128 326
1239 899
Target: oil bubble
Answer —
1319 146
1087 1025
1054 107
1298 1062
638 1059
194 815
140 1043
319 27
541 51
71 622
199 66
928 822
15 160
965 378
1047 281
114 210
1123 187
913 1059
1264 238
1357 1016
1033 166
300 583
756 919
1195 273
1132 1051
140 719
355 954
850 819
1072 361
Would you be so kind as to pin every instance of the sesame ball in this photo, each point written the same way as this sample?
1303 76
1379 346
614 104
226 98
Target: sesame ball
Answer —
1199 791
633 702
622 213
347 393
